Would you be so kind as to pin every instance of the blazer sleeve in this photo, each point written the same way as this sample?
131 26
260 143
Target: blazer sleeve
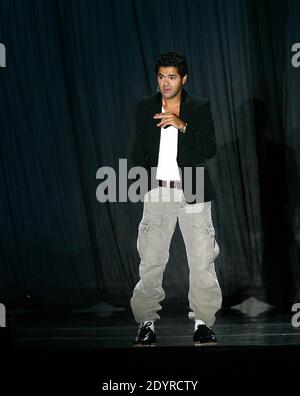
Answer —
139 150
200 131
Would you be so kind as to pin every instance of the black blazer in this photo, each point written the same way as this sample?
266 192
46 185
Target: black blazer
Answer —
194 146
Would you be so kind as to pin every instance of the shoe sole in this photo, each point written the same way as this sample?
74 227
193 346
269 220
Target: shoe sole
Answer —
199 344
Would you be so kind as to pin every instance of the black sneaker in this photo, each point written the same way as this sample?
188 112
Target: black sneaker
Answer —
145 336
204 336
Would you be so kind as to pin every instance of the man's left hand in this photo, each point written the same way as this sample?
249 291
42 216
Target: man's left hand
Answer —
168 118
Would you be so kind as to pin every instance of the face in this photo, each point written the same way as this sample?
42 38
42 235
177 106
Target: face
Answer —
169 81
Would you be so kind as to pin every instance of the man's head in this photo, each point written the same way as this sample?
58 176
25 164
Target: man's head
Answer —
171 72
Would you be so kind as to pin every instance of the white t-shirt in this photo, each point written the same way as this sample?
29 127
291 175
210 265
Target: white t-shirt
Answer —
167 168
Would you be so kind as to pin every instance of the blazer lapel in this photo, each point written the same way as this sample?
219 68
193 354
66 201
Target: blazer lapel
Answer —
155 131
183 115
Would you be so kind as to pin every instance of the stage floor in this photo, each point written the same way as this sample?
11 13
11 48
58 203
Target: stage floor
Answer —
109 329
99 344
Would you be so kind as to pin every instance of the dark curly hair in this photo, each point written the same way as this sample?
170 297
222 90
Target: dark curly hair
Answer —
172 58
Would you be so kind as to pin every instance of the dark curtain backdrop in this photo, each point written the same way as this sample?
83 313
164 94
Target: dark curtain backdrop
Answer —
75 71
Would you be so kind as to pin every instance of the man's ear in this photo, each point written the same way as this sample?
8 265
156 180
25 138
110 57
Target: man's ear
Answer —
184 78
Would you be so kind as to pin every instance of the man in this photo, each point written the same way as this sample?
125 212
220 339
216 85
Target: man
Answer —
174 131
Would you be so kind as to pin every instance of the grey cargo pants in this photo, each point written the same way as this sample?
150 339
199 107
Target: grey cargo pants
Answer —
162 207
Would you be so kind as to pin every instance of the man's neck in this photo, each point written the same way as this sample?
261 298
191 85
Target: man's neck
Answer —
172 102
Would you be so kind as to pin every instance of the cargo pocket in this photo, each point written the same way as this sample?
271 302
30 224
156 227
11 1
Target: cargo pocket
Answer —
214 245
146 226
205 244
210 229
